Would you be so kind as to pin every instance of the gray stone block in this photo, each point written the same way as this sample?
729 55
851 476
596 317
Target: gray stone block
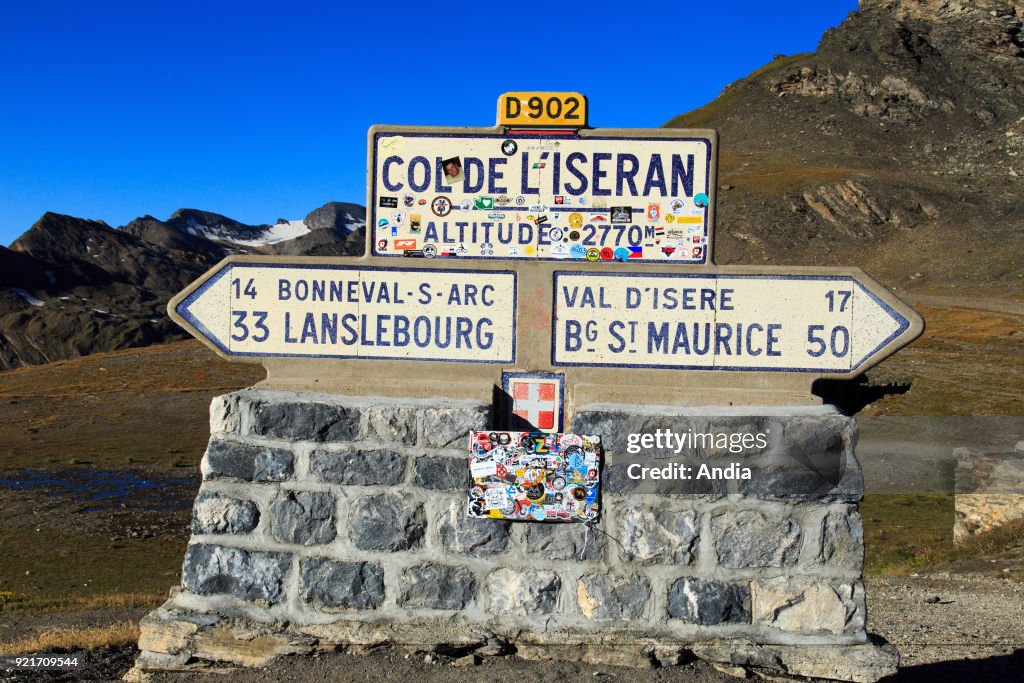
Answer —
305 421
809 606
328 584
748 538
522 592
244 574
442 474
387 522
358 468
450 427
247 462
812 458
842 541
225 415
708 602
818 436
563 541
605 597
392 424
304 517
472 536
217 514
437 586
864 663
652 536
615 479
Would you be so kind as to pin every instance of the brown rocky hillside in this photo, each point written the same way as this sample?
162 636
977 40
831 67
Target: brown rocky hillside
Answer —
898 147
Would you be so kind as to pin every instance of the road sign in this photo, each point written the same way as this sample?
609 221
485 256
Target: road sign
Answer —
636 196
542 109
270 309
593 213
820 323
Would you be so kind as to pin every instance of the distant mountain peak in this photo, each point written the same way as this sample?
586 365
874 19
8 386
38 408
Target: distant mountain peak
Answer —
70 286
341 216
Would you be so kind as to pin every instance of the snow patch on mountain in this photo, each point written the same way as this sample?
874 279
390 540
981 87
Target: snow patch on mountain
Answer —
353 223
26 296
278 233
270 235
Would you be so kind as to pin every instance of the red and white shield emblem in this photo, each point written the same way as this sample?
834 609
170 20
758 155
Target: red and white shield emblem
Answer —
537 401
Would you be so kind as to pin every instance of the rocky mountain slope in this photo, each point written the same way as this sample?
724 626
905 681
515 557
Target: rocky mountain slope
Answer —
70 286
898 146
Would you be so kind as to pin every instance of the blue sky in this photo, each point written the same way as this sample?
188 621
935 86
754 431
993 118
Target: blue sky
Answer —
258 110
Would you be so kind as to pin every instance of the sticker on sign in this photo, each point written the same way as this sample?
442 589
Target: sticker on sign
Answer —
827 324
641 198
325 311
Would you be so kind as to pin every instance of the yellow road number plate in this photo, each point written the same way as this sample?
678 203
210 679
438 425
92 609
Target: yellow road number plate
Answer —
542 109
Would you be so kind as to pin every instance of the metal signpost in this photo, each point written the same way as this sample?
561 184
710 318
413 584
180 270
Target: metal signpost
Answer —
542 246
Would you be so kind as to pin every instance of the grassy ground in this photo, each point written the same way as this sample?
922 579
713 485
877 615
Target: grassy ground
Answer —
123 409
967 362
904 533
60 570
910 533
87 638
142 412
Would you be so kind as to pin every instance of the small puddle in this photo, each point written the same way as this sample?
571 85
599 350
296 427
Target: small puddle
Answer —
105 489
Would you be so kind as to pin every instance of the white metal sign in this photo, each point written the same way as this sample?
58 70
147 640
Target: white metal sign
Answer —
546 195
328 311
792 323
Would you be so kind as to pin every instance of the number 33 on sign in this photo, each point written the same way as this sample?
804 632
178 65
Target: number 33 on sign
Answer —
542 109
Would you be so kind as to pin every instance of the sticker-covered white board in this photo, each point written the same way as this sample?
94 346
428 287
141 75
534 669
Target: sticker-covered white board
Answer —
541 196
782 323
322 311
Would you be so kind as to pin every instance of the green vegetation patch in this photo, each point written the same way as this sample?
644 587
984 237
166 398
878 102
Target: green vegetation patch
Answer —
904 533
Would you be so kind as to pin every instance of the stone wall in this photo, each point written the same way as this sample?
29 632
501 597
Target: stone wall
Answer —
327 521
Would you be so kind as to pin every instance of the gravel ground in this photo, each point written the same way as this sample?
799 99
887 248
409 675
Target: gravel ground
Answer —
396 665
951 626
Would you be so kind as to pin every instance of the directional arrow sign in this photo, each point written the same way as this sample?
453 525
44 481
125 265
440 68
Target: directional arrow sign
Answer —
269 309
821 323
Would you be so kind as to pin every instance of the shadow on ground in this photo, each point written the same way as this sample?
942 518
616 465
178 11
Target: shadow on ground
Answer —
992 670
